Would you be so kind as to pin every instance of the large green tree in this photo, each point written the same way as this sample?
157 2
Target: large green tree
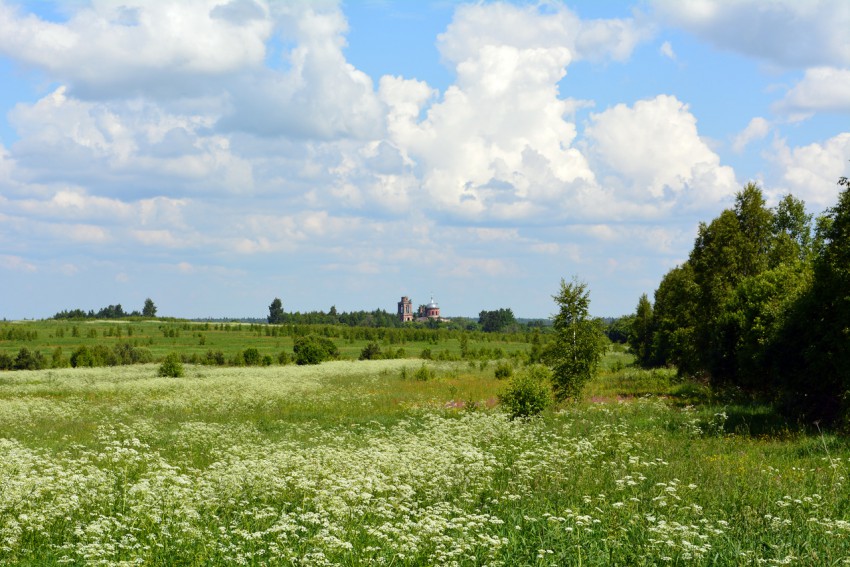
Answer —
579 343
276 312
816 349
674 320
149 310
640 335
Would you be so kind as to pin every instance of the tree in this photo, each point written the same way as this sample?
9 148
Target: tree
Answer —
640 337
495 321
149 310
276 312
674 319
579 343
171 367
816 369
792 228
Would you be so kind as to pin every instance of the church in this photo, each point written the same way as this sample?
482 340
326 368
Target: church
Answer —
424 313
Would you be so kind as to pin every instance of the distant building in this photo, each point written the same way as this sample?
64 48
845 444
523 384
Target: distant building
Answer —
424 313
431 311
405 309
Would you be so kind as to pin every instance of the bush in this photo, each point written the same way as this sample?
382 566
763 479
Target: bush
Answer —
171 367
28 360
313 349
528 393
283 358
6 362
251 356
504 370
214 358
372 351
424 373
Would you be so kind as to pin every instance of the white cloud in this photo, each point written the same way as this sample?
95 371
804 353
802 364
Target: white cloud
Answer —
16 264
821 89
110 49
656 153
757 129
789 33
666 50
811 172
63 138
536 26
320 95
498 142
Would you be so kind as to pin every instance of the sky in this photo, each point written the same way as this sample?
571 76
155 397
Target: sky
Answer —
215 154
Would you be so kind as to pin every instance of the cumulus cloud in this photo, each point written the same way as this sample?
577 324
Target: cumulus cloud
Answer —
656 154
821 89
108 49
96 143
499 142
811 172
320 95
757 129
787 33
534 26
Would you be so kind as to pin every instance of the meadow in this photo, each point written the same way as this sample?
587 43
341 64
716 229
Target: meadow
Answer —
358 462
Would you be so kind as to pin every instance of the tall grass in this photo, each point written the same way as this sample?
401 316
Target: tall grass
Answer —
350 463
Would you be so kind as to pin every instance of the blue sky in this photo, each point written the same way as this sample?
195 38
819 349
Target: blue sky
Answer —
216 154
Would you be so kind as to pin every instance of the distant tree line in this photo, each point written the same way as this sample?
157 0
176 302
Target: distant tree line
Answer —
761 305
109 312
500 320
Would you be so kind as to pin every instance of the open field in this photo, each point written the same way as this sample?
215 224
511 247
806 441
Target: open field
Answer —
357 462
161 337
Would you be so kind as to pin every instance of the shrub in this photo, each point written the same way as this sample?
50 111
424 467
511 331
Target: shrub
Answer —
504 370
251 356
426 354
125 353
283 358
267 360
314 349
57 360
171 366
29 360
372 351
6 361
424 373
528 393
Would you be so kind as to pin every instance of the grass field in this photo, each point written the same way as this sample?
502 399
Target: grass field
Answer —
351 463
161 337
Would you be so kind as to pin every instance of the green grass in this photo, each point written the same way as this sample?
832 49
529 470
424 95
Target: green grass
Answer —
348 463
163 337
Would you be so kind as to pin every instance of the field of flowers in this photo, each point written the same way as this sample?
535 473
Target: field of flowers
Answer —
351 463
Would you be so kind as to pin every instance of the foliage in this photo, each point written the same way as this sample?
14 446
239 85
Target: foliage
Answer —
640 334
251 356
619 329
761 306
579 344
275 312
497 320
503 370
371 351
149 310
528 393
171 367
314 349
29 360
